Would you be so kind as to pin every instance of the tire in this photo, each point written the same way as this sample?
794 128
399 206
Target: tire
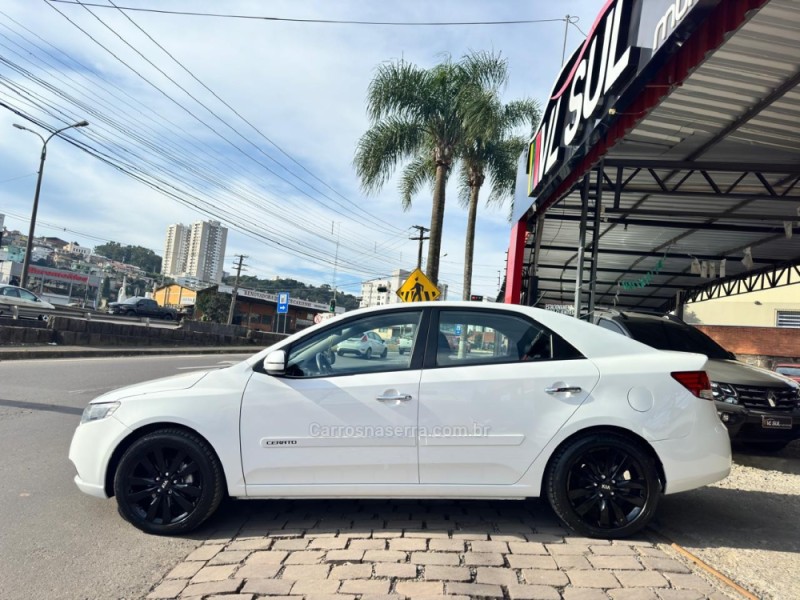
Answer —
586 473
168 317
402 351
340 352
385 353
130 313
147 495
368 353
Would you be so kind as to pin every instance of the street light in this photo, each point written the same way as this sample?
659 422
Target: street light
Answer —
28 248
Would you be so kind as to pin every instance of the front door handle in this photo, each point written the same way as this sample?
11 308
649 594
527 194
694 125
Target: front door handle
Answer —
392 396
563 390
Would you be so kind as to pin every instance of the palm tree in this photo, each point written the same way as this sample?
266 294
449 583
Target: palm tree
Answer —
490 150
418 117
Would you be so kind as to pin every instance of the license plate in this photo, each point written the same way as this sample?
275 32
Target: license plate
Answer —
776 422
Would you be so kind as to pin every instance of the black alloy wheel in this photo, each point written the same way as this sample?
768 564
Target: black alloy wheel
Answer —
168 482
604 486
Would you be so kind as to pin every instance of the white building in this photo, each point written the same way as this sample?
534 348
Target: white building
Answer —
75 248
196 251
370 296
175 248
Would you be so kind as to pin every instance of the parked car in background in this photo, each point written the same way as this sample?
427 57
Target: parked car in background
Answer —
405 343
365 345
757 406
142 307
25 302
597 423
790 370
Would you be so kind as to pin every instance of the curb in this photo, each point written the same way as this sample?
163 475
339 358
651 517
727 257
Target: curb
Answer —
45 353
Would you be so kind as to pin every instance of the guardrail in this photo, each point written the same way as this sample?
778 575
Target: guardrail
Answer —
76 312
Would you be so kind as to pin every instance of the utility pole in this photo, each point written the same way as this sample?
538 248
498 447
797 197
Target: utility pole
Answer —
422 231
239 266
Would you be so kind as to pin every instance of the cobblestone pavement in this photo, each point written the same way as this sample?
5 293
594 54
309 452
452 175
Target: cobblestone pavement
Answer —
423 549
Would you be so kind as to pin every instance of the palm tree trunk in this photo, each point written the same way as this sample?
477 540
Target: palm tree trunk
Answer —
469 247
437 220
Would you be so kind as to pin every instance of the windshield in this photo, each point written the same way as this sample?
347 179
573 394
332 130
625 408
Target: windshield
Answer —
790 371
133 300
668 335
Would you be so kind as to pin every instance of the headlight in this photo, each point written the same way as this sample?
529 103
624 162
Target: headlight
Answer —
94 412
724 393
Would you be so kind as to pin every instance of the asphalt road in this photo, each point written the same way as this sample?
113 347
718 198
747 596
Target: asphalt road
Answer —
56 542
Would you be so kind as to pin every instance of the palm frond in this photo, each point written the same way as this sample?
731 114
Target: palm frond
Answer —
416 174
382 147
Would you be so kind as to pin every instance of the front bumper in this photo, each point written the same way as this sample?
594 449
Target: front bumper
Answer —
746 424
91 449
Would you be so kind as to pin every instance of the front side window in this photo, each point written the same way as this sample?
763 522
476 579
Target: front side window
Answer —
355 347
484 337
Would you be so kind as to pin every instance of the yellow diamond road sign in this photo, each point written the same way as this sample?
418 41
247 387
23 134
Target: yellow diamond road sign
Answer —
418 288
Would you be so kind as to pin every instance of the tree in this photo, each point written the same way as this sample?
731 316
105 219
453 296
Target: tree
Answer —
214 306
491 150
139 256
418 117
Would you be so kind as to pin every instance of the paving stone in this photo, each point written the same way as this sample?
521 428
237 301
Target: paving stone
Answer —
291 544
304 557
654 552
478 536
426 534
613 550
624 563
328 543
641 542
213 573
641 579
404 571
501 547
475 590
545 577
206 552
533 592
387 533
408 544
585 541
323 597
418 589
384 556
266 557
567 562
689 581
185 570
530 561
592 579
364 586
508 537
672 594
231 597
544 538
298 572
269 587
436 573
286 533
229 557
226 586
435 558
577 593
335 556
497 576
355 571
367 545
250 544
168 589
446 545
258 571
315 586
483 559
665 565
527 548
567 549
632 594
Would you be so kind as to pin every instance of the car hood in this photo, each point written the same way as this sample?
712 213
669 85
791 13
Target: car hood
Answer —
165 384
739 373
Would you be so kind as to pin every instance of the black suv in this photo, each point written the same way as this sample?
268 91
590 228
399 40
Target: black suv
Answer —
757 406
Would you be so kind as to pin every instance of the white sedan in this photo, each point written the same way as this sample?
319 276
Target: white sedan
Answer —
599 424
12 296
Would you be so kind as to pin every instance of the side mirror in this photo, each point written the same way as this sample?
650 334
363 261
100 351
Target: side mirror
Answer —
275 363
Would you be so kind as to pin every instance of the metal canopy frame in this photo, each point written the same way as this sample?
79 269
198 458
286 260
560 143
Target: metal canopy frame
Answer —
681 208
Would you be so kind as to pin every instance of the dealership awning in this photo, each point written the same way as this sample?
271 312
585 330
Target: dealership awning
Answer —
685 183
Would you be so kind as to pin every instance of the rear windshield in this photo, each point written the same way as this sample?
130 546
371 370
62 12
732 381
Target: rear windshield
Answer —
668 335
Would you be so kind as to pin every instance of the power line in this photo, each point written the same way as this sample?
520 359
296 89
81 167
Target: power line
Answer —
317 21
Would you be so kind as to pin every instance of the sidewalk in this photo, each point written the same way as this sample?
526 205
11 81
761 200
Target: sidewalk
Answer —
53 351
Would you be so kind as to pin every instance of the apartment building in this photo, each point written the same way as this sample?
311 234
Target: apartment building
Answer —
377 292
196 251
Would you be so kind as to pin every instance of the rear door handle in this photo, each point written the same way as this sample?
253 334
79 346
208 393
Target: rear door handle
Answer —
563 390
393 397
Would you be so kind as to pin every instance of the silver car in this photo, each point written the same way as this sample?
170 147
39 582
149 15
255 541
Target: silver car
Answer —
366 345
14 299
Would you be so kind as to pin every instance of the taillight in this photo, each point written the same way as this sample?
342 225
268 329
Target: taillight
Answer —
696 382
364 338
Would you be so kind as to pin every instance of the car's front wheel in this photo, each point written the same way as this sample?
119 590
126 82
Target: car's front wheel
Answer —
603 485
168 482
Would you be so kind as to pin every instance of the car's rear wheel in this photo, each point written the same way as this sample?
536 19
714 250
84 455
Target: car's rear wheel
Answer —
168 317
168 482
603 485
385 353
368 353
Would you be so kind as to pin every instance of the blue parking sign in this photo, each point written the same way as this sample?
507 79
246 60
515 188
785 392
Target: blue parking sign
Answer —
458 329
283 302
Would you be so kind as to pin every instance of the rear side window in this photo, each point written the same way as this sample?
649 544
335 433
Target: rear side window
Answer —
667 335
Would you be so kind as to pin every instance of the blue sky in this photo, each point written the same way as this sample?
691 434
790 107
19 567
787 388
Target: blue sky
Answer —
298 86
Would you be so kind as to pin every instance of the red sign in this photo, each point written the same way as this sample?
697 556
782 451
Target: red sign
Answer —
58 275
